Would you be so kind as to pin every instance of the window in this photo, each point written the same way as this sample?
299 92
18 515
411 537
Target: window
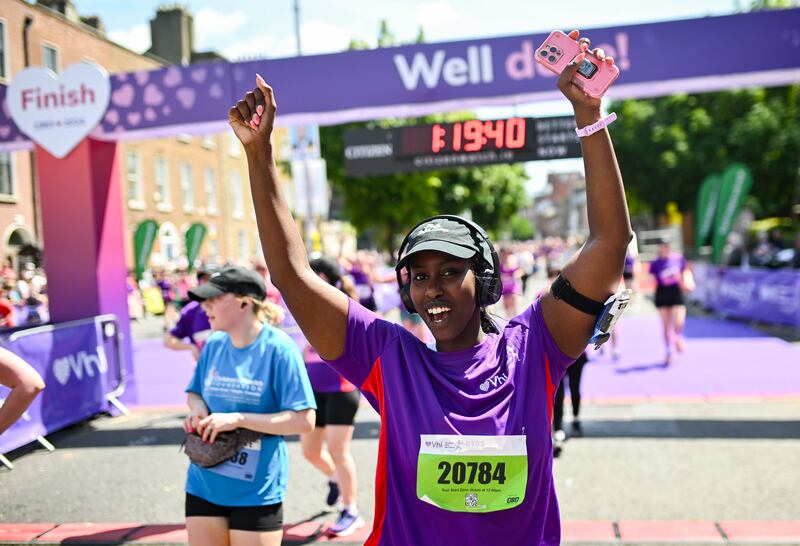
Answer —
6 174
169 242
50 58
208 142
163 195
186 187
234 146
213 243
3 52
133 178
211 191
237 205
241 238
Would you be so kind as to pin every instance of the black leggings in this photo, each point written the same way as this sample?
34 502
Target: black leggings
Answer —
574 376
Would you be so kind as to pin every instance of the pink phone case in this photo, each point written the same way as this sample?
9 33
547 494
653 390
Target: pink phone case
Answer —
593 76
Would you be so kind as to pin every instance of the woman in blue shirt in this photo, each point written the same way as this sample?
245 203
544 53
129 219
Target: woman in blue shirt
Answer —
249 375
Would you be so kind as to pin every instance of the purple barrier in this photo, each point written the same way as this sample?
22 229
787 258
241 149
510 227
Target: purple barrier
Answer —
765 295
81 364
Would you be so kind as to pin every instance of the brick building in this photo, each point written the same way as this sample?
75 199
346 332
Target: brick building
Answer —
175 181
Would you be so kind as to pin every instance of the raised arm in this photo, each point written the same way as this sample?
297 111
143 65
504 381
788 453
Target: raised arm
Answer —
595 271
320 309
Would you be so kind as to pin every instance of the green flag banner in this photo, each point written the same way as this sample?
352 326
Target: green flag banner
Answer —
143 240
736 183
194 239
707 199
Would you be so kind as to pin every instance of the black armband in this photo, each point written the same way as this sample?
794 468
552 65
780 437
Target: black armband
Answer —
562 290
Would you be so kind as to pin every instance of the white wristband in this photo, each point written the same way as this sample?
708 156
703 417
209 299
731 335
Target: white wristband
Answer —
597 125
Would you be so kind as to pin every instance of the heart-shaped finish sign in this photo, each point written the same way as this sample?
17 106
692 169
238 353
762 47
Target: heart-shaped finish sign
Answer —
57 111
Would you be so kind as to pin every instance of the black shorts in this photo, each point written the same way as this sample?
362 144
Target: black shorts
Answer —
240 518
669 296
336 408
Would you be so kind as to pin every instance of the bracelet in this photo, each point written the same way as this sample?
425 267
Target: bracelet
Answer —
597 125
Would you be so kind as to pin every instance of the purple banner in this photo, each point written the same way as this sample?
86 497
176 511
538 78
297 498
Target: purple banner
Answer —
655 59
79 366
766 295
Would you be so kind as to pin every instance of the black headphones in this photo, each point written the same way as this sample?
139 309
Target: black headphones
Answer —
487 281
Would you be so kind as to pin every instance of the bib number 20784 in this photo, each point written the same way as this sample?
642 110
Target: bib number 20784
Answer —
471 472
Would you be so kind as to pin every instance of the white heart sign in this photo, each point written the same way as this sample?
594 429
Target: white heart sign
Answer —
57 111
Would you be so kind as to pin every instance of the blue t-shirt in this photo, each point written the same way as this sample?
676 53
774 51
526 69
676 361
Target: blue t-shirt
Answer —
267 376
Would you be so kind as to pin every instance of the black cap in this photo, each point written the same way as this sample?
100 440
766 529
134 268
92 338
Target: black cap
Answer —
445 235
231 280
329 267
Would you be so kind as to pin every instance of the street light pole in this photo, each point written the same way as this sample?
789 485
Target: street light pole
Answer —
304 144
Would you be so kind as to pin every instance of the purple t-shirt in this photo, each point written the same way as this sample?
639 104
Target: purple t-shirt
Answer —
503 386
668 271
192 324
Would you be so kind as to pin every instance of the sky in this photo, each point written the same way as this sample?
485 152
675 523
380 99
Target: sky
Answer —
255 29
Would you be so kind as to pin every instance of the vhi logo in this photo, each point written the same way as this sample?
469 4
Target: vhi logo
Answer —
79 364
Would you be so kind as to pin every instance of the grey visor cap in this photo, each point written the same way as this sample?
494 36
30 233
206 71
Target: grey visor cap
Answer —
441 246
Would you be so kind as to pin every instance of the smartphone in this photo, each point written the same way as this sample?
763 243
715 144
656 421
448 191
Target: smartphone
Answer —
593 76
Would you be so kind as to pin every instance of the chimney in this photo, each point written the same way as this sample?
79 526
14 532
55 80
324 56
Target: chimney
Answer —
64 7
172 34
95 22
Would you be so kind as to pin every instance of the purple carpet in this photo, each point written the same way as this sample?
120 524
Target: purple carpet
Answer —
721 359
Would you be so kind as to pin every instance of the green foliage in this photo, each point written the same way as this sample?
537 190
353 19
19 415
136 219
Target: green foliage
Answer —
521 228
389 205
667 146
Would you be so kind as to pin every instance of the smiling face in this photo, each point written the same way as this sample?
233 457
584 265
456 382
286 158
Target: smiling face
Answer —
225 312
443 291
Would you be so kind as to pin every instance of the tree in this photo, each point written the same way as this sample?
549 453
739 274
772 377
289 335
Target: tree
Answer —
667 146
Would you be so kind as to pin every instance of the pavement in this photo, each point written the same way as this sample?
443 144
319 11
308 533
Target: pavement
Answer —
704 451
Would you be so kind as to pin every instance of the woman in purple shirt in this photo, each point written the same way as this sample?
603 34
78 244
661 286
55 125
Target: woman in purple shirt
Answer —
669 270
465 451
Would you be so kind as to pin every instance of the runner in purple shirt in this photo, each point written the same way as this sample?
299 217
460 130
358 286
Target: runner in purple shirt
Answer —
192 325
465 452
669 270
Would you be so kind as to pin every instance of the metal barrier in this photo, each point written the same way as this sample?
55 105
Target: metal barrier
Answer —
73 360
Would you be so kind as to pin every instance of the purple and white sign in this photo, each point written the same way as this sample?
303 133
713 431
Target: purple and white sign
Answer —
654 59
57 111
766 295
79 367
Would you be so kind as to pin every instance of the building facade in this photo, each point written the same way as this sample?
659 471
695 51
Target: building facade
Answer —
176 181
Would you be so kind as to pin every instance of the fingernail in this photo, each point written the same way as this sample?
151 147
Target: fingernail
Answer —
580 57
255 118
253 124
259 109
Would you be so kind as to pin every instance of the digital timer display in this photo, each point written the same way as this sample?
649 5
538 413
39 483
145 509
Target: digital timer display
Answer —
469 143
464 137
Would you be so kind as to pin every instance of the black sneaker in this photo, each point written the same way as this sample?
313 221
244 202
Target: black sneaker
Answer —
333 494
577 431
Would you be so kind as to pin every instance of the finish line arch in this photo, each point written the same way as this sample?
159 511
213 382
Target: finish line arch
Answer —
81 201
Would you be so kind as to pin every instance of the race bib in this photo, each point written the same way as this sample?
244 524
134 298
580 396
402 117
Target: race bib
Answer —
242 465
472 473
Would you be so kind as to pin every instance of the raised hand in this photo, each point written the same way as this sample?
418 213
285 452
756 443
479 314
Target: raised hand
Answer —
253 117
